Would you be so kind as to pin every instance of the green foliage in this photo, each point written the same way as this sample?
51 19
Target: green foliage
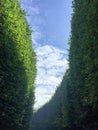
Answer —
17 67
84 62
75 103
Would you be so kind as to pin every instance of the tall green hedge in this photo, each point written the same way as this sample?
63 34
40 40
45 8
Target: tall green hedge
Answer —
84 62
17 68
76 101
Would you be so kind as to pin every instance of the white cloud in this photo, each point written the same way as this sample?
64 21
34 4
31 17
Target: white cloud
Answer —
52 62
51 65
35 37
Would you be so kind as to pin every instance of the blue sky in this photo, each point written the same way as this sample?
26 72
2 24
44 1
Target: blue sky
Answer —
50 21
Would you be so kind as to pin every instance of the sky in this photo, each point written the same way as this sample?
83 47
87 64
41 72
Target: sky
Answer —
50 23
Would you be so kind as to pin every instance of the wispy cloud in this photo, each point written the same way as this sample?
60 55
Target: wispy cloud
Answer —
36 37
51 61
51 65
34 19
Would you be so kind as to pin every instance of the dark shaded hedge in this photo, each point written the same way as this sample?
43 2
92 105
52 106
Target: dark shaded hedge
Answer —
17 68
75 103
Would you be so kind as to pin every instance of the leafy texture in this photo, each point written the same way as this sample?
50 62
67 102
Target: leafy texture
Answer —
75 103
17 68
